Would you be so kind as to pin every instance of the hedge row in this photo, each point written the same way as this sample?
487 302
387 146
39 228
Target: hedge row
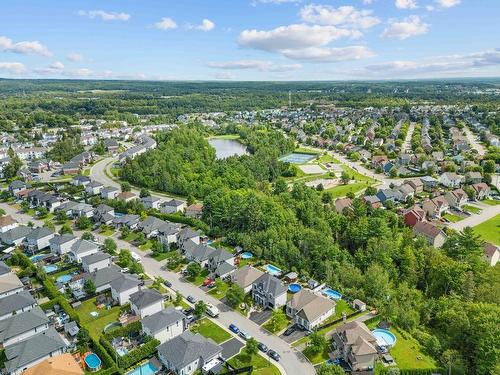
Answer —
133 357
123 331
416 371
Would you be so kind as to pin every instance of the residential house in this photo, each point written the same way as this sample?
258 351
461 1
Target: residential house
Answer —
386 195
101 278
187 353
355 344
269 292
104 214
63 364
126 196
165 324
17 185
197 253
151 202
112 146
151 226
16 304
7 223
38 239
109 192
407 192
451 179
342 203
82 248
456 198
436 207
61 244
15 236
173 206
146 302
129 221
429 183
169 233
10 284
70 168
372 200
30 352
96 261
94 188
187 234
221 263
434 235
481 190
308 310
245 277
80 180
122 288
22 326
416 184
491 254
473 177
194 210
413 215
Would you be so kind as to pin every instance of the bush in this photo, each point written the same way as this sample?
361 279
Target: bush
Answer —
138 354
123 331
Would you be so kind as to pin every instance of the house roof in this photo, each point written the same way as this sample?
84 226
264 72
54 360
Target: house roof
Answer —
9 282
342 203
63 364
38 233
351 331
24 322
7 220
187 348
145 297
428 229
151 224
15 234
362 347
224 268
220 255
125 282
16 302
162 319
271 285
103 276
489 250
82 246
4 269
309 305
174 203
61 239
246 276
150 199
126 195
36 347
96 257
109 189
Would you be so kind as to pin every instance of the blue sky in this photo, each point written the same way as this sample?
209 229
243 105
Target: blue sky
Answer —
249 39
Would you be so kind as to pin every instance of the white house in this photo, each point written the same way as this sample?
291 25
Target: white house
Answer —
173 206
96 261
61 244
22 326
82 248
109 192
269 292
165 324
146 302
451 180
38 239
124 287
151 202
309 310
7 223
16 304
94 188
10 284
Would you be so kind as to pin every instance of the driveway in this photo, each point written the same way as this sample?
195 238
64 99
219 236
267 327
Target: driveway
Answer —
294 336
231 347
260 317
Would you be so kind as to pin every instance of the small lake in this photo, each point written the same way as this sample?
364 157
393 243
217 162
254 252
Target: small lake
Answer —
225 148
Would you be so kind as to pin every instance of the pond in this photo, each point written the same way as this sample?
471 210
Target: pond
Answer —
225 148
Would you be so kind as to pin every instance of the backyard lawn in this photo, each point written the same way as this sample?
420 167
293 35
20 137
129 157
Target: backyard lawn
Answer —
106 231
97 324
261 366
210 330
407 353
342 190
489 230
452 218
471 209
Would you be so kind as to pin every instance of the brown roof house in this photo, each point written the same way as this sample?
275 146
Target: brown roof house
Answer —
491 253
435 207
481 190
342 203
456 198
309 310
435 236
7 223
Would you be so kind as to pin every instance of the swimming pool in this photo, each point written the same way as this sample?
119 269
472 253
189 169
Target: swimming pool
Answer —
93 362
38 257
122 351
63 279
273 270
297 158
145 369
246 255
384 337
50 268
294 288
333 294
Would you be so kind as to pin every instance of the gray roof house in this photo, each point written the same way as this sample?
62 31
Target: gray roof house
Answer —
151 226
165 324
172 206
188 352
109 192
4 269
62 244
81 248
246 276
10 284
198 253
15 236
308 309
22 326
38 239
269 292
146 302
96 261
130 221
101 278
16 304
151 202
123 287
27 353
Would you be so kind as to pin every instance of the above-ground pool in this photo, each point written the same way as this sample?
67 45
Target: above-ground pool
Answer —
333 294
297 158
294 288
246 255
50 268
93 362
384 337
145 369
273 270
64 279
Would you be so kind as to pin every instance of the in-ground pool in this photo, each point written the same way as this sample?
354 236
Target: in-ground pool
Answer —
333 294
93 362
145 369
38 257
64 279
246 255
384 337
273 270
297 158
50 268
122 351
294 288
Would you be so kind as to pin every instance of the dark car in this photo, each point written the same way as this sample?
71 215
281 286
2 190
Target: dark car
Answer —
188 311
234 329
273 355
262 347
290 330
167 283
191 299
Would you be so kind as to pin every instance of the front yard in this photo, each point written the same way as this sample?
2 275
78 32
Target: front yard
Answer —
452 218
220 290
491 202
198 280
489 230
471 209
210 330
261 366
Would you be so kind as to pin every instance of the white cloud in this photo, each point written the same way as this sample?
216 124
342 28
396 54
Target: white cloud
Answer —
166 23
54 68
105 16
12 67
206 25
406 28
430 8
261 65
74 56
326 54
406 4
341 16
24 47
224 75
448 3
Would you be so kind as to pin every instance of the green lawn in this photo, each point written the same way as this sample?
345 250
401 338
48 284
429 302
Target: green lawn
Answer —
328 159
489 230
341 307
55 275
130 237
491 202
407 352
452 218
471 209
107 232
306 150
210 330
225 136
97 324
198 280
146 246
161 256
220 291
269 327
342 190
316 358
261 366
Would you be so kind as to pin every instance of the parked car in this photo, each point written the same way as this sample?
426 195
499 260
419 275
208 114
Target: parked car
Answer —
188 311
167 283
273 355
262 347
207 282
290 330
234 329
244 335
211 310
191 299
